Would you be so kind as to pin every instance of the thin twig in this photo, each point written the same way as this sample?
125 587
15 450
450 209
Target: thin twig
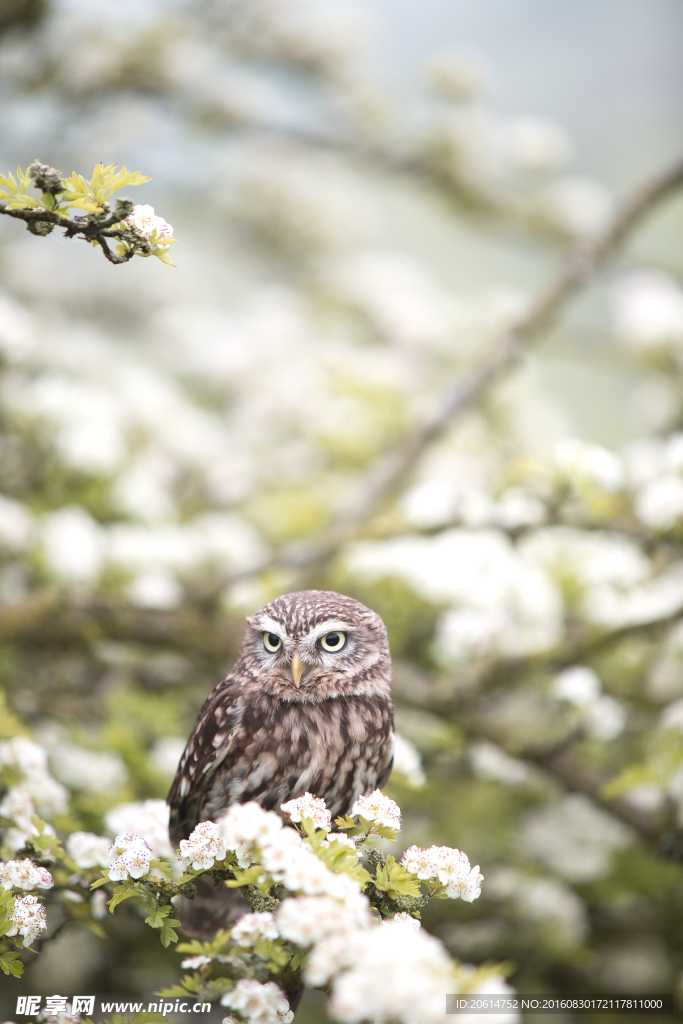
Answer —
386 475
91 228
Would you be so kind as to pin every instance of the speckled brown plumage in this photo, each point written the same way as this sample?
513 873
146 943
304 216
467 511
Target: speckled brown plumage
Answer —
261 737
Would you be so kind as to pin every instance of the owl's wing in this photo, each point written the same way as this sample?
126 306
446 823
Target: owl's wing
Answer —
211 741
388 764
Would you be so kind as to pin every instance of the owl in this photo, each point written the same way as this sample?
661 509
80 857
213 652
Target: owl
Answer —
306 708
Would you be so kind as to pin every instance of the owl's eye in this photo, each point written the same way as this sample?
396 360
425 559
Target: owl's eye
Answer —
333 641
272 642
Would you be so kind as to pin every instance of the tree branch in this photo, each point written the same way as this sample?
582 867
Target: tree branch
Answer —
91 228
386 475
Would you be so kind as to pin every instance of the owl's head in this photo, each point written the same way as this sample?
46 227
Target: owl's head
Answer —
315 644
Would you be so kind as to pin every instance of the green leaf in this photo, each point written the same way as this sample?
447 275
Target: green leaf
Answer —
121 893
297 959
10 964
274 951
248 877
395 880
374 829
99 882
174 990
158 918
9 184
345 824
22 203
163 866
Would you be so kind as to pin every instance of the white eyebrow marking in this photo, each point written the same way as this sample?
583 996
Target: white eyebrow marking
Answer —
334 625
268 625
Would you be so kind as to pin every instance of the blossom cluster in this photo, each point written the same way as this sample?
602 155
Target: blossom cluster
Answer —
148 223
88 850
28 919
36 792
257 835
388 970
259 1003
308 806
129 858
24 874
251 928
450 867
602 716
379 808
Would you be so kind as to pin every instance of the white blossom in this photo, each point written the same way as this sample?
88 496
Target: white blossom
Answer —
448 866
129 858
16 838
90 771
17 805
466 633
488 761
605 718
28 919
166 753
672 716
327 957
149 223
557 905
24 874
148 818
378 808
49 796
516 508
407 762
16 524
648 310
573 838
659 504
407 919
393 972
306 920
98 905
155 588
472 569
535 144
420 862
342 839
576 205
585 463
72 545
27 756
458 76
281 850
194 963
204 847
309 806
577 685
251 928
248 823
260 1004
63 1015
88 850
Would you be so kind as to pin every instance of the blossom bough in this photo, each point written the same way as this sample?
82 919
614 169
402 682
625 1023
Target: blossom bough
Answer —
82 209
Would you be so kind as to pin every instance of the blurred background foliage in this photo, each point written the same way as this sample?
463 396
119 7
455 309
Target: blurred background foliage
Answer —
366 197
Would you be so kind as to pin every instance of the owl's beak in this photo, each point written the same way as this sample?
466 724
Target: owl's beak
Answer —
297 667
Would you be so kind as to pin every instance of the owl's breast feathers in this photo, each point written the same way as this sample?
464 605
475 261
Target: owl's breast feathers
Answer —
251 745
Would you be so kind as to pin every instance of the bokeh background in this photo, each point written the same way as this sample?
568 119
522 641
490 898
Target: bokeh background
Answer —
365 197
